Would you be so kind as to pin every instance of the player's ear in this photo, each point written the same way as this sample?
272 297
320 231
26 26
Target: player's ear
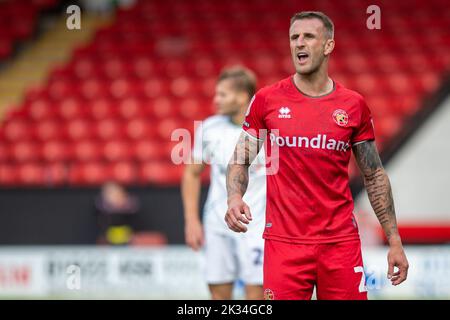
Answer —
329 46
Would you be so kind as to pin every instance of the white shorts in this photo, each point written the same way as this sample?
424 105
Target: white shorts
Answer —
233 256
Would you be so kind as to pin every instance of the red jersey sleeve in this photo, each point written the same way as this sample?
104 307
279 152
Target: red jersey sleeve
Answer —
365 130
254 120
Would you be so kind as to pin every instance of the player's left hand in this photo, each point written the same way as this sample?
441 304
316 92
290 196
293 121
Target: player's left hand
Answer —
397 258
237 215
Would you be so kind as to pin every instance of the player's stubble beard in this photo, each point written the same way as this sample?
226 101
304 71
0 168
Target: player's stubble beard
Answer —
314 69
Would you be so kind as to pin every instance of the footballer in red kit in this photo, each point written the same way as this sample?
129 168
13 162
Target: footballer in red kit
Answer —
309 199
310 124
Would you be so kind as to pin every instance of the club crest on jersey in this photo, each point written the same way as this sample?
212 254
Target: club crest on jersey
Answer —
284 113
340 117
268 294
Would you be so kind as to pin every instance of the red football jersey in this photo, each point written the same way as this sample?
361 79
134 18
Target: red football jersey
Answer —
308 197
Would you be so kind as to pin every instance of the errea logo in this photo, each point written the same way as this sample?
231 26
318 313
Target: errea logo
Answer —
284 113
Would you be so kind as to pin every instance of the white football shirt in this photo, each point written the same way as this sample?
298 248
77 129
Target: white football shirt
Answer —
214 144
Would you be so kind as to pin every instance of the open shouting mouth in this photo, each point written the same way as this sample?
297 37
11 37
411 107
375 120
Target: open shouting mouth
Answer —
302 57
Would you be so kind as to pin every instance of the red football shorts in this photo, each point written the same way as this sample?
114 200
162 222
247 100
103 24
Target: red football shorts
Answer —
292 270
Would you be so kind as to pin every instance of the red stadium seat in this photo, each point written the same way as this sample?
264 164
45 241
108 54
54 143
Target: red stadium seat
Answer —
123 88
365 83
153 88
175 68
56 151
192 109
69 109
61 73
49 130
41 110
8 174
85 68
94 89
56 174
124 172
183 87
388 126
165 128
100 109
205 67
91 173
400 84
18 130
116 150
36 92
109 129
263 63
428 82
61 88
143 67
87 150
131 108
114 68
161 108
25 151
380 106
5 152
145 150
207 88
139 129
164 174
87 51
16 114
78 129
31 174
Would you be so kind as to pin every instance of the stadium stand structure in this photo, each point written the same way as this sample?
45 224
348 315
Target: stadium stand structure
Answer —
108 113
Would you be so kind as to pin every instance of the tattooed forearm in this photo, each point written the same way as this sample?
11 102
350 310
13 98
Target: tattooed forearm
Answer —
237 172
380 196
367 157
237 180
377 185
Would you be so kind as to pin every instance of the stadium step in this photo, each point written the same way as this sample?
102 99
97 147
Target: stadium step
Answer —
54 47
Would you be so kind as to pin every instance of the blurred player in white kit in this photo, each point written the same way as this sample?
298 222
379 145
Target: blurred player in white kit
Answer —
229 256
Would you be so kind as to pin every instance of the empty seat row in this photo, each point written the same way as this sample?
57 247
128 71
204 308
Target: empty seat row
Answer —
91 173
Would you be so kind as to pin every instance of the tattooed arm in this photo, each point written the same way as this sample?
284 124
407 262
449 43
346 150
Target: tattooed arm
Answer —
238 212
379 192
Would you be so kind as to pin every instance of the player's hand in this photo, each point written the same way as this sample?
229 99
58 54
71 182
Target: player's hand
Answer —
397 258
193 234
238 214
